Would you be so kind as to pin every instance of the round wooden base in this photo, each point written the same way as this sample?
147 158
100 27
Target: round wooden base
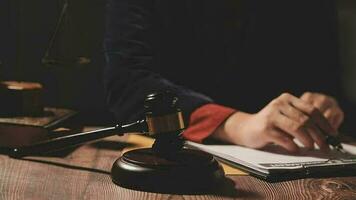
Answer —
187 172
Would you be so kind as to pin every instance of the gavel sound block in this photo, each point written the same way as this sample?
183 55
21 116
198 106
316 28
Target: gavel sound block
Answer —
167 167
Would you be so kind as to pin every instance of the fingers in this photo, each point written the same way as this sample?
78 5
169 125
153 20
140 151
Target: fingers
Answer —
335 116
288 117
327 105
310 133
294 128
318 137
281 138
302 121
314 113
320 101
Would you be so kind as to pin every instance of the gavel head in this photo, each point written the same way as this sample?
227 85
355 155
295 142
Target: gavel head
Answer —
164 121
162 113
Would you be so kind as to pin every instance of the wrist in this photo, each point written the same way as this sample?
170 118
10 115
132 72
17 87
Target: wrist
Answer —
232 129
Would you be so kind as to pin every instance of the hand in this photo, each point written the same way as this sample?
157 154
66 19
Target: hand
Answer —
327 105
283 119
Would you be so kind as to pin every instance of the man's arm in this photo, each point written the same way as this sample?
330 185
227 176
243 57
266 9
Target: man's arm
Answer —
130 72
131 75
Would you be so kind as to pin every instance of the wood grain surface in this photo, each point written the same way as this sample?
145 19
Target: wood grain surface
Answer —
84 173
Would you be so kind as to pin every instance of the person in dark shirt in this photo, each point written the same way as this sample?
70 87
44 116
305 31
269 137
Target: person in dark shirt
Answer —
241 68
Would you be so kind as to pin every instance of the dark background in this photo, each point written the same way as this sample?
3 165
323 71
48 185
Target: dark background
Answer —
27 27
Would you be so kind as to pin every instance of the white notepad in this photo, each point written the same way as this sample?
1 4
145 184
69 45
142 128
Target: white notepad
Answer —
274 160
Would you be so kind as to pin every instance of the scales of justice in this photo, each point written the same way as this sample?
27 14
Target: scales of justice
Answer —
166 167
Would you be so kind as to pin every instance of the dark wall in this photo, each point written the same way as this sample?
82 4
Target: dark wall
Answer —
26 31
347 36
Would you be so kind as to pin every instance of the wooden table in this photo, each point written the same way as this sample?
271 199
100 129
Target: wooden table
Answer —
84 173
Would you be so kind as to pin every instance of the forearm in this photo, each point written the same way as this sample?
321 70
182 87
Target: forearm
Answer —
126 94
131 72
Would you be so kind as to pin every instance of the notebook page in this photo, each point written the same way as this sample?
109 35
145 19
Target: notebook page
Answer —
274 157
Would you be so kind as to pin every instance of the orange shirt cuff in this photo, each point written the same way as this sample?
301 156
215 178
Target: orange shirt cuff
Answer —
205 120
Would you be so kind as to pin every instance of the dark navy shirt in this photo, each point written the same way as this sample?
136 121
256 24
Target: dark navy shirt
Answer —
237 53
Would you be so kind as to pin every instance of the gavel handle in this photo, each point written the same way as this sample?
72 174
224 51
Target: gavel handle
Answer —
67 141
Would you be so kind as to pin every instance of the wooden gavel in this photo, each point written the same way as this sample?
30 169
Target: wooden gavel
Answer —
167 167
163 120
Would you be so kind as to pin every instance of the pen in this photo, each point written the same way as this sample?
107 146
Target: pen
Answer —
334 142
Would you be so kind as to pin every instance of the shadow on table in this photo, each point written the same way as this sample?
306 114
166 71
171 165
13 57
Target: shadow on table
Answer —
108 145
68 166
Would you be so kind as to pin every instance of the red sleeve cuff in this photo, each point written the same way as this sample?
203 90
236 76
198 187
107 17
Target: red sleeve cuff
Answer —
204 120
